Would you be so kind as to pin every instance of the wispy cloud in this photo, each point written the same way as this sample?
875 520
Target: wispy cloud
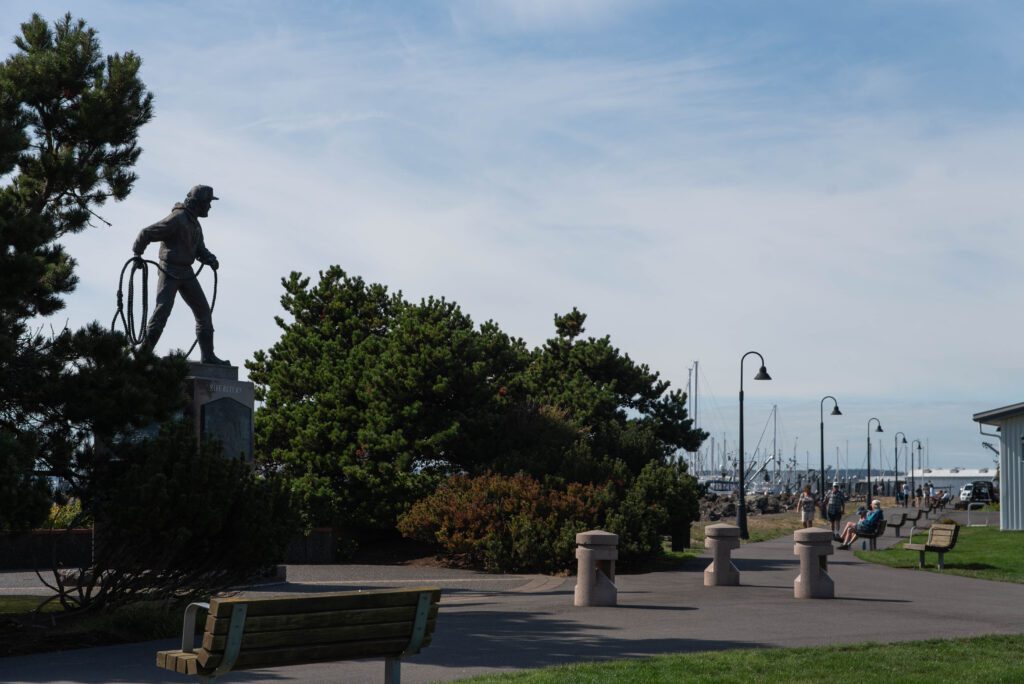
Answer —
517 16
699 184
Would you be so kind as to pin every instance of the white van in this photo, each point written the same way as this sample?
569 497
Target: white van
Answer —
965 492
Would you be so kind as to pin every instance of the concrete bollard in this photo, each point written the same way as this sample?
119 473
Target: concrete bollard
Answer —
813 545
721 539
596 553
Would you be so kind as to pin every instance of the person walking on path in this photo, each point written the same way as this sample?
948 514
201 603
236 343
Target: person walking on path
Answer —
805 505
866 526
835 507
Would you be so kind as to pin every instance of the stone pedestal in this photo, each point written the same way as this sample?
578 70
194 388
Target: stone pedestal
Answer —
596 553
222 407
720 540
813 545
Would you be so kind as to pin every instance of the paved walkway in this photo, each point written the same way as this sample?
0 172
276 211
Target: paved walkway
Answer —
504 623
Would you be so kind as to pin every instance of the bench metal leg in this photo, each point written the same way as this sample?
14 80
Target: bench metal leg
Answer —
392 670
920 559
942 563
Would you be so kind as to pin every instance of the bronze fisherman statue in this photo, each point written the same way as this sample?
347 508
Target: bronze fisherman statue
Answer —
182 244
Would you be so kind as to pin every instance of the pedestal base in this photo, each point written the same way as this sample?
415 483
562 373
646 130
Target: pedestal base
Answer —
222 407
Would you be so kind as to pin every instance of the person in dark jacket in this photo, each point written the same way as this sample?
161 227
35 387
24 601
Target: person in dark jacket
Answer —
182 244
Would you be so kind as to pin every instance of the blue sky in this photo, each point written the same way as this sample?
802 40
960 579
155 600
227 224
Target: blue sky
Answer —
832 184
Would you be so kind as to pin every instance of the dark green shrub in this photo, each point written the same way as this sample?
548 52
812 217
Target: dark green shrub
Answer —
174 521
660 500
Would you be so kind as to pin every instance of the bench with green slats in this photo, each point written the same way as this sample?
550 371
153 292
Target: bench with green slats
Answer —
941 538
243 633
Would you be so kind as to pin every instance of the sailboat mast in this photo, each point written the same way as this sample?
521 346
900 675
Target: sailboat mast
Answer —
775 430
696 385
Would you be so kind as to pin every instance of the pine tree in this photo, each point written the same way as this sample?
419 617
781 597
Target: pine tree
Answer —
366 396
623 411
69 122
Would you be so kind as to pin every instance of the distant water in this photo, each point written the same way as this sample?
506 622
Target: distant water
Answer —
854 473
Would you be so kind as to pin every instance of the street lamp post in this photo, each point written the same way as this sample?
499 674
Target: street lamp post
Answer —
821 425
913 480
741 508
871 492
896 463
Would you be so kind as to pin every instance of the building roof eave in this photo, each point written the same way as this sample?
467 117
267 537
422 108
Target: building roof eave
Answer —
999 414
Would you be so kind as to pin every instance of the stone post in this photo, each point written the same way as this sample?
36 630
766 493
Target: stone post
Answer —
813 545
596 553
720 540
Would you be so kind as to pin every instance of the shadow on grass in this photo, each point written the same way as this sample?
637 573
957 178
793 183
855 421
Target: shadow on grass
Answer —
970 566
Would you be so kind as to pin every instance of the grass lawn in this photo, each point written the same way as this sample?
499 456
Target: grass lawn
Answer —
981 659
25 604
21 632
760 527
982 552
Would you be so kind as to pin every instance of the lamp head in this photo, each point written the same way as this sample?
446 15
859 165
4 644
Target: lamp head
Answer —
879 428
836 411
762 374
904 439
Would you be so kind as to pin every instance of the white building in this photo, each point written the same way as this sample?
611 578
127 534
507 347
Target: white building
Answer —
1009 422
952 479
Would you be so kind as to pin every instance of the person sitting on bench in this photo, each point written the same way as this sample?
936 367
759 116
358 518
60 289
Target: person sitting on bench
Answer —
866 526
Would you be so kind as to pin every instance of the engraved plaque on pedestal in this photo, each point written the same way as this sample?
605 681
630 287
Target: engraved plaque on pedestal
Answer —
222 406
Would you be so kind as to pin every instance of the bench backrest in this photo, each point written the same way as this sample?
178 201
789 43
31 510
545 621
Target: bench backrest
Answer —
270 631
896 518
943 534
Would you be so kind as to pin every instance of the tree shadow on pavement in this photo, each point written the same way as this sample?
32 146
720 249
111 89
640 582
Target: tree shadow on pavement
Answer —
529 639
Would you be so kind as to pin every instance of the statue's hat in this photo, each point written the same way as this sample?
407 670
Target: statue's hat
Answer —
201 193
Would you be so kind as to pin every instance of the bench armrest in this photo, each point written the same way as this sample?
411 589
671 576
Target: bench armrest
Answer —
419 626
188 628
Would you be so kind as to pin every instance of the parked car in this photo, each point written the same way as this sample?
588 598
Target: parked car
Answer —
979 491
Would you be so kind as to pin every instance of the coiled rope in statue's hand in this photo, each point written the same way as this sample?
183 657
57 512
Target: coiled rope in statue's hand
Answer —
137 338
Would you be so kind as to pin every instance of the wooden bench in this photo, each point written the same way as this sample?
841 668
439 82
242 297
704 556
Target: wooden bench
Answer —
941 538
872 536
896 520
251 632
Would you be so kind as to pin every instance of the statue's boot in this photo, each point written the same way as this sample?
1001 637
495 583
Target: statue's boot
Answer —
206 349
153 334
